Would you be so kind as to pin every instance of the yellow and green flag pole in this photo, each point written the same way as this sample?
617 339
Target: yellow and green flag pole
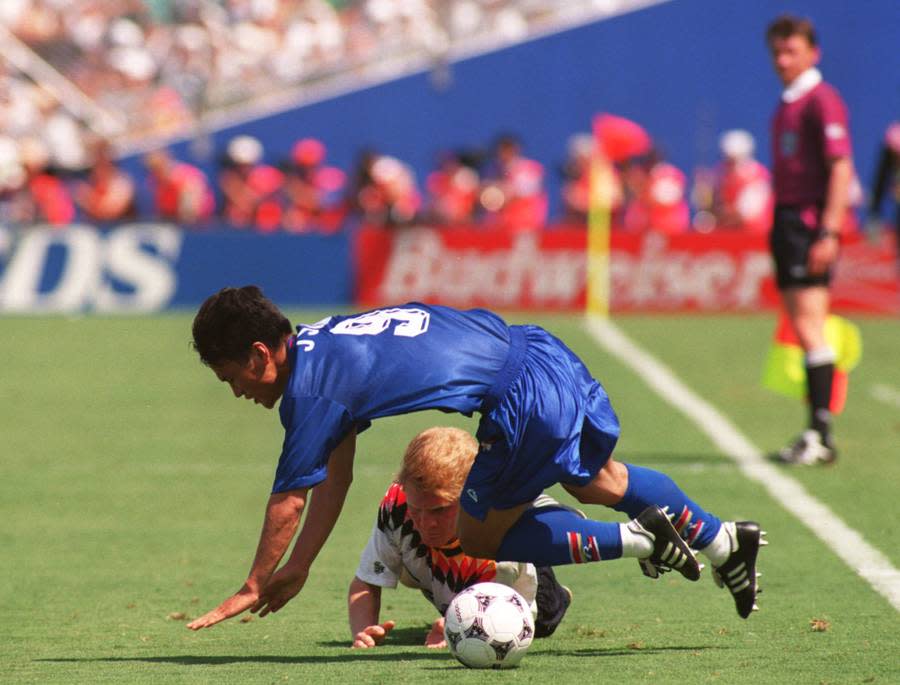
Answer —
598 237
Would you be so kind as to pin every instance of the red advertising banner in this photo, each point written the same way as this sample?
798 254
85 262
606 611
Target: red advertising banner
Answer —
545 271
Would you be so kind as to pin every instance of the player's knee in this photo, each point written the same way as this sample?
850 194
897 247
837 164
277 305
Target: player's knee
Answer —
810 333
607 488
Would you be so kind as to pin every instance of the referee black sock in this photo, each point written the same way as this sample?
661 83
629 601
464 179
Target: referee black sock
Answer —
819 377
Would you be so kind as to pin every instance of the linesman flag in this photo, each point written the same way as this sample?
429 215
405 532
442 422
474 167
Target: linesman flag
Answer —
785 373
615 140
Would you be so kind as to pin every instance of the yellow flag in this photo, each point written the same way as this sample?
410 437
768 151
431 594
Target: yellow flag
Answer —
784 371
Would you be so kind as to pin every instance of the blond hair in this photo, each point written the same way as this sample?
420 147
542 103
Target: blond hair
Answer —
438 460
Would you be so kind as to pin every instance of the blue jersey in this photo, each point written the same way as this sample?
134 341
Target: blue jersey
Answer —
348 370
544 420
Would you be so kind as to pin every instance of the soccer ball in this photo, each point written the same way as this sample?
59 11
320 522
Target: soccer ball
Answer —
488 625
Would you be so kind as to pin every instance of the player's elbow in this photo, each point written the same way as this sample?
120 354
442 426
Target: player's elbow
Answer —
362 597
357 587
289 502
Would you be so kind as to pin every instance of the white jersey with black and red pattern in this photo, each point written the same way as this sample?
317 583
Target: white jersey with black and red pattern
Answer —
395 553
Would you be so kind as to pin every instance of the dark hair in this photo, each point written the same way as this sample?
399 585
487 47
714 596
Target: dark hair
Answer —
788 25
229 322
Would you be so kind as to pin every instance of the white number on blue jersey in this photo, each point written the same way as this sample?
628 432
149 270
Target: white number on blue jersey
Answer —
410 323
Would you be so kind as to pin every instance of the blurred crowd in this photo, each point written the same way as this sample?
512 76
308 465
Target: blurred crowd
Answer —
155 67
79 76
496 184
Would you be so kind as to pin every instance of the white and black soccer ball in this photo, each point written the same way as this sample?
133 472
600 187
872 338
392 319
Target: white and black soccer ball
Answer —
488 625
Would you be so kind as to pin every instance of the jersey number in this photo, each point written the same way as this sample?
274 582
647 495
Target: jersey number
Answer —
410 323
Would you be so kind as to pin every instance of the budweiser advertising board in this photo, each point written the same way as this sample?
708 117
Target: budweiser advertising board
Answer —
545 271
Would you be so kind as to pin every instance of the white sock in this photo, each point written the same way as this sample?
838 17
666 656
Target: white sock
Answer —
634 543
720 548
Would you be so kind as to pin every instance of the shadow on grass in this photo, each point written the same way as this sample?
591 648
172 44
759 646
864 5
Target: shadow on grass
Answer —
631 651
409 636
224 660
421 654
594 653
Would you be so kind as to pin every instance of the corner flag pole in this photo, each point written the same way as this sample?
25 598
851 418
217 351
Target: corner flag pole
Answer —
598 237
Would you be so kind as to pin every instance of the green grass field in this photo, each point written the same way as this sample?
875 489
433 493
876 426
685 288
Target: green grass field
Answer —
133 487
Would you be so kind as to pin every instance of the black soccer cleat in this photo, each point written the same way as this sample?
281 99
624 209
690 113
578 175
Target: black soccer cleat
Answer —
738 573
670 551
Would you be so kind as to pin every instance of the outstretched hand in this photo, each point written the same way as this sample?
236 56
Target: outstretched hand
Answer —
281 589
372 636
239 602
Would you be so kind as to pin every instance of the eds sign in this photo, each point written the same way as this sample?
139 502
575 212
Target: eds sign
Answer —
80 268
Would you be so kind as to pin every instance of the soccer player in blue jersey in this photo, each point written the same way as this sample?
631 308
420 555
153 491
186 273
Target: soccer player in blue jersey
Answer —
544 420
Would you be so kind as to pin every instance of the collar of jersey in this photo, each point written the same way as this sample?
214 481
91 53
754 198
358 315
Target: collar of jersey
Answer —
801 85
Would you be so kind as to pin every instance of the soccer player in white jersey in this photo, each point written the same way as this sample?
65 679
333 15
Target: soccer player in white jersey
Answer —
414 543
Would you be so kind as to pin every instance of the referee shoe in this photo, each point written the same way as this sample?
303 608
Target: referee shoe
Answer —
809 449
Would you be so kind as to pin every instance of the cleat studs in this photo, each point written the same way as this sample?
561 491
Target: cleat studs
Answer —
755 607
763 543
758 574
763 533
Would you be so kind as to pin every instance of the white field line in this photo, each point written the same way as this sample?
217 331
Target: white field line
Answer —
845 542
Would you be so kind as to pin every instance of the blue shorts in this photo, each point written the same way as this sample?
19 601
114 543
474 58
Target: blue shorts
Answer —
545 421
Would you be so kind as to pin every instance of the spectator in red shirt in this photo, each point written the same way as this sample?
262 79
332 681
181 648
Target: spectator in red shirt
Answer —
513 193
108 193
312 189
181 192
251 188
48 199
813 175
657 200
576 188
384 191
452 191
743 197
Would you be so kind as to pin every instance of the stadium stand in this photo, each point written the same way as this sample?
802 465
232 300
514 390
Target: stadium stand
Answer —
185 58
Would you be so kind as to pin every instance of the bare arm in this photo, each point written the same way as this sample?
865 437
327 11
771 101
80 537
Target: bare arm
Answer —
837 201
325 506
363 607
280 523
824 252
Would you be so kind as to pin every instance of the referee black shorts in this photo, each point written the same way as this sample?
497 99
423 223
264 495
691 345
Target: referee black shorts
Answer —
790 241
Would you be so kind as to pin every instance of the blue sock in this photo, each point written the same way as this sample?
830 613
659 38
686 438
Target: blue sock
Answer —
647 487
553 536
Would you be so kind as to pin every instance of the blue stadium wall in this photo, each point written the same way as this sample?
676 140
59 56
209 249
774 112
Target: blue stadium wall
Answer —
147 267
686 69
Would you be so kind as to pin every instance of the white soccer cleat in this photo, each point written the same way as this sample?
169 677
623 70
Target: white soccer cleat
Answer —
808 450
